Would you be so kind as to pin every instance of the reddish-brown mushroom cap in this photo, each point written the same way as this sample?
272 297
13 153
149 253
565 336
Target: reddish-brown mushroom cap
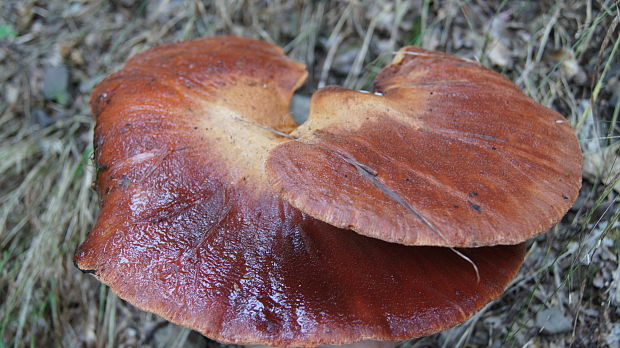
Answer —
190 228
448 153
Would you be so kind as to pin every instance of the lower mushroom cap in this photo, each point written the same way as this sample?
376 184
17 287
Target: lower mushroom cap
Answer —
191 230
256 270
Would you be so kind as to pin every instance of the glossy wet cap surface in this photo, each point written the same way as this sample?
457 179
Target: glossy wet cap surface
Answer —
191 229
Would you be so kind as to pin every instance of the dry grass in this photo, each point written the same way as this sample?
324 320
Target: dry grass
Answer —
562 53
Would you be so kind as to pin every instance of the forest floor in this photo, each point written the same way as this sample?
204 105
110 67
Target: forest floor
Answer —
564 54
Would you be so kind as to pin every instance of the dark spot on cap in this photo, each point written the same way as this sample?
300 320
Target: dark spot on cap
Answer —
473 194
564 196
474 205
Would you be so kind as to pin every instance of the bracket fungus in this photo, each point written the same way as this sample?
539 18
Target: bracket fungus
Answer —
220 214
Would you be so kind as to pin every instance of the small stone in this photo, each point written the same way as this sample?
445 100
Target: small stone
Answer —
553 321
56 83
300 106
12 94
612 338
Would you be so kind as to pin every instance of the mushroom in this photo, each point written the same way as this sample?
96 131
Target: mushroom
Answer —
218 214
452 154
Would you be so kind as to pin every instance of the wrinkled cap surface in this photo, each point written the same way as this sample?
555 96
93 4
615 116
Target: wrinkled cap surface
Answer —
191 229
446 153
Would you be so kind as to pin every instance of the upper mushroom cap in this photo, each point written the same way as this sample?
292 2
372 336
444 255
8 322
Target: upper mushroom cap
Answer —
191 229
447 153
